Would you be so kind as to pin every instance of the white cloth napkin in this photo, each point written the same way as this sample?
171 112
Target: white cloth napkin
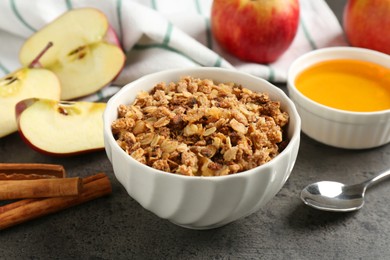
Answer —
163 34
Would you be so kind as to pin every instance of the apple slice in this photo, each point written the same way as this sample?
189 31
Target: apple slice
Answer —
25 83
61 128
86 55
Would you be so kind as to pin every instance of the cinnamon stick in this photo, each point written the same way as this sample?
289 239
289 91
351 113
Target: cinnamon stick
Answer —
30 171
14 205
21 211
39 188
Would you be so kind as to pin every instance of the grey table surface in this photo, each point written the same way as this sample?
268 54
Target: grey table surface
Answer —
117 227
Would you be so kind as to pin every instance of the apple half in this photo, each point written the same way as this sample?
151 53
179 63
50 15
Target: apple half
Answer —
22 84
61 128
86 54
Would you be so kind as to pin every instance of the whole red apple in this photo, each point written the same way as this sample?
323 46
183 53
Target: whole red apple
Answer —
367 24
256 30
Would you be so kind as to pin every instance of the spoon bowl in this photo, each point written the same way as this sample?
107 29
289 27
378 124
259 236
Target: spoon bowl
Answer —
335 196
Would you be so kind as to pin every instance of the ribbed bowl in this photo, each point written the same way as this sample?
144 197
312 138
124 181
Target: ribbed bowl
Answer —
201 202
335 127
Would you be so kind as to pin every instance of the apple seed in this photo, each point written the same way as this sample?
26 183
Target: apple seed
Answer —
9 85
68 108
78 53
63 111
9 80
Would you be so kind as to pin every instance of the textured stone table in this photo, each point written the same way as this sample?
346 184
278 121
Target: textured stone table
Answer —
117 227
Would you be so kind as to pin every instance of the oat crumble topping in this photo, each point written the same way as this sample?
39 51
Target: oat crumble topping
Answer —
197 127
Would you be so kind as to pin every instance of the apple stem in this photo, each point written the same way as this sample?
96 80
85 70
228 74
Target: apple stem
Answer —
35 62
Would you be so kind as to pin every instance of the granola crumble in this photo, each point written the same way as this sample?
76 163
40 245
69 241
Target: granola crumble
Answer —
197 127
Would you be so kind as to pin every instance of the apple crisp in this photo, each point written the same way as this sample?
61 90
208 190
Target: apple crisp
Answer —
197 127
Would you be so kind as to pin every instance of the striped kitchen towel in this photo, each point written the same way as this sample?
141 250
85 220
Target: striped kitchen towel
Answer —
163 34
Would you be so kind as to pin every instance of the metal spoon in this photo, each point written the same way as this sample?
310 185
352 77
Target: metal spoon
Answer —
335 196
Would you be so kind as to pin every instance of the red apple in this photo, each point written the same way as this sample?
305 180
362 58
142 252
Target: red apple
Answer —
257 30
367 24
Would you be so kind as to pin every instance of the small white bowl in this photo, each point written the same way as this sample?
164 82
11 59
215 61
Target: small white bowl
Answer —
335 127
201 202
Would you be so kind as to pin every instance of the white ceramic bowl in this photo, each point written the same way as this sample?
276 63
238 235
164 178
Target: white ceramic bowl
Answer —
201 202
335 127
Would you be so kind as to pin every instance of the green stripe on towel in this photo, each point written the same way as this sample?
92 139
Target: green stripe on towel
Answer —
119 13
307 35
4 69
19 16
153 4
197 5
100 95
209 41
69 4
168 34
271 76
218 62
209 34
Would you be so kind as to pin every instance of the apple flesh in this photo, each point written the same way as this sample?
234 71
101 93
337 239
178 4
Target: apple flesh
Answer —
258 31
86 54
367 24
22 84
61 128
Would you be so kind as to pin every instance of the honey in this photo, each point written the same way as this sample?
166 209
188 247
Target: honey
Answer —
351 85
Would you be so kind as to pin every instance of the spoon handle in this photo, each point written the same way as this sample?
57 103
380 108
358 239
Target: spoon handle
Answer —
383 175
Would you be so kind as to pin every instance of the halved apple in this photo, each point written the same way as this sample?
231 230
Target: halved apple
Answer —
21 84
86 54
61 128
